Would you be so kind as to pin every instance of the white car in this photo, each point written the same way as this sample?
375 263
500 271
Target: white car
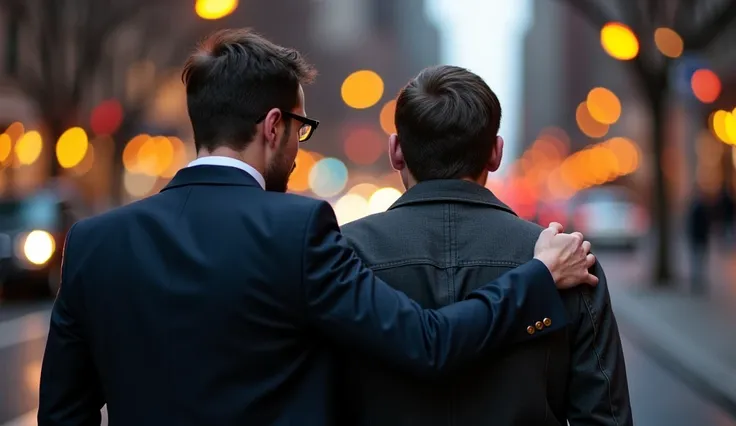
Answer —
609 216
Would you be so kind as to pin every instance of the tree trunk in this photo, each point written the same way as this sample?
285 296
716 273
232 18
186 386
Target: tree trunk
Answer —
661 217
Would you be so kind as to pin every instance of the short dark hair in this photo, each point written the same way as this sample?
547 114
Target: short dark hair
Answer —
232 79
447 119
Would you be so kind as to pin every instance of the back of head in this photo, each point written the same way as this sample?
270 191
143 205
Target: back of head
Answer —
234 77
447 120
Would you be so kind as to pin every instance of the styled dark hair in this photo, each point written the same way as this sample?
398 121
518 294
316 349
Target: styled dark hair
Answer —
447 119
233 78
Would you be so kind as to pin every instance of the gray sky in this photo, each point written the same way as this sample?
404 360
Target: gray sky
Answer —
486 36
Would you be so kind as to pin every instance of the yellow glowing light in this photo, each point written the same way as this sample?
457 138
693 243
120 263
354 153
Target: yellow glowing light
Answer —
362 89
604 105
6 146
619 41
72 147
155 156
729 125
130 153
29 147
350 207
718 124
382 199
38 247
668 42
215 9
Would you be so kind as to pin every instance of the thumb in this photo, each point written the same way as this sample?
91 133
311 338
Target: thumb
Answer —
556 226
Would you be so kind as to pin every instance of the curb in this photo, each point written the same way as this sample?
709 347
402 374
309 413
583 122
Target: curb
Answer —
691 363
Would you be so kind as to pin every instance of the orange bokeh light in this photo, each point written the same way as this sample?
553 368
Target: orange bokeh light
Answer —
364 146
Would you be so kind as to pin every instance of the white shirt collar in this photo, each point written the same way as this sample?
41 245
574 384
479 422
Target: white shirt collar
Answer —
230 162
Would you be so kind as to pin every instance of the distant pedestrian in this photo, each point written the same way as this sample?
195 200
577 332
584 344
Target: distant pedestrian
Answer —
699 221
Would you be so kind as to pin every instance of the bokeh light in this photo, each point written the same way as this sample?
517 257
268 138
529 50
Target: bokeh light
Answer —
29 147
71 147
350 207
87 162
106 117
364 146
328 177
603 105
179 159
15 131
215 9
587 124
365 190
6 147
719 122
155 156
706 85
668 42
386 117
137 184
299 179
362 89
619 41
130 153
382 199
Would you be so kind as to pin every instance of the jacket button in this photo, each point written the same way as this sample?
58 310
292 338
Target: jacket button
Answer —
547 322
530 330
539 325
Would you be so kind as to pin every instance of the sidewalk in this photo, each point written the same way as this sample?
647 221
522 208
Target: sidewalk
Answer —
693 336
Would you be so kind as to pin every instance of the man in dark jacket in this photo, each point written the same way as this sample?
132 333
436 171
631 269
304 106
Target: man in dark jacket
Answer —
445 235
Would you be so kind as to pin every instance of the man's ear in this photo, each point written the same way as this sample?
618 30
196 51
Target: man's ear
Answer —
271 127
494 161
395 155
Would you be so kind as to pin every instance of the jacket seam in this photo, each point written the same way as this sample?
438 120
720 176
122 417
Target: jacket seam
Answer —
431 262
598 356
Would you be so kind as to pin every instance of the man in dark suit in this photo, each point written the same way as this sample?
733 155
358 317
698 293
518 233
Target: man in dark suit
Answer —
445 236
218 303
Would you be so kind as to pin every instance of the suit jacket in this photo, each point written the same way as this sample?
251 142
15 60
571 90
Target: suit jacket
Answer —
217 303
437 243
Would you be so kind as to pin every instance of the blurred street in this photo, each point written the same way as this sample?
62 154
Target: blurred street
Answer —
659 395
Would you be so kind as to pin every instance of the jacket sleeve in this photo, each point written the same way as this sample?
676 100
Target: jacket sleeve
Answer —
348 304
70 392
598 388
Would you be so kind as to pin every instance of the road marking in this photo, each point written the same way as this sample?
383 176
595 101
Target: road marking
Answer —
27 419
24 329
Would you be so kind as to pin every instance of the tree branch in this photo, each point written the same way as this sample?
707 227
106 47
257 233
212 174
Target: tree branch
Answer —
712 28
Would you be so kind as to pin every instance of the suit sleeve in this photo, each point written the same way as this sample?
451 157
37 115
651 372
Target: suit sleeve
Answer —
598 388
347 303
70 392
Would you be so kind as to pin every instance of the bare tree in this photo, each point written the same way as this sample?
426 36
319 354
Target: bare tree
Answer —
699 23
65 46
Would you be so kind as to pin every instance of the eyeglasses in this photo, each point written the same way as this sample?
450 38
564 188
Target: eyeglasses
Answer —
306 130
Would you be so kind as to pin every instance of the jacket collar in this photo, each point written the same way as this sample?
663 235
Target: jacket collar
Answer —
211 175
454 190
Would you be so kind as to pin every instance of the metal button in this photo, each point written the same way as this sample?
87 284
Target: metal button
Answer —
539 325
530 330
547 322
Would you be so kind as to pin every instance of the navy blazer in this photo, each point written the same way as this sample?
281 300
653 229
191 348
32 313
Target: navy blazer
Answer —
218 303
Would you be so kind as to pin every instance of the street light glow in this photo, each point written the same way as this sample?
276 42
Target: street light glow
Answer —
215 9
619 41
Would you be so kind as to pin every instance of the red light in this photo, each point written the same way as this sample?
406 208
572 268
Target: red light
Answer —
106 117
706 85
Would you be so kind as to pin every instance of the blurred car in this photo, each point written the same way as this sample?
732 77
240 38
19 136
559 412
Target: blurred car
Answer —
609 217
32 233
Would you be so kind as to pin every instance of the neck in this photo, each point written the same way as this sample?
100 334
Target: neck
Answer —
248 156
480 180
